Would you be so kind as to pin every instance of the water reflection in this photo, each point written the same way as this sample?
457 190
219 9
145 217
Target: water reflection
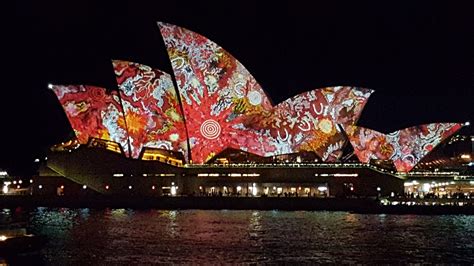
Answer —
125 236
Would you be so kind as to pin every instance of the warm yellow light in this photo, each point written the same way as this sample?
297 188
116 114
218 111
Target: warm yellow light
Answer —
3 238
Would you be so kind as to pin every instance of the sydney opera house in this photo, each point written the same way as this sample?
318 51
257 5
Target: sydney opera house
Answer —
210 129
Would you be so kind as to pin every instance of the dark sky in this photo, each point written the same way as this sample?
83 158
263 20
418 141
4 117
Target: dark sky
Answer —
418 56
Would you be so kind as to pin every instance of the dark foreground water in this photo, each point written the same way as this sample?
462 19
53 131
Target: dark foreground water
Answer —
125 236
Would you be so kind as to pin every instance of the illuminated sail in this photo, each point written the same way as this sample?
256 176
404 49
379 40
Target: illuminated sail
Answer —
93 113
151 107
217 94
404 147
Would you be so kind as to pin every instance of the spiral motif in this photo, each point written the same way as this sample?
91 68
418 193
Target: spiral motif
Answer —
210 129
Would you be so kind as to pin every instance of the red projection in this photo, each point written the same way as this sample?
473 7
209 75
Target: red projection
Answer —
404 147
308 121
152 111
219 105
93 113
217 94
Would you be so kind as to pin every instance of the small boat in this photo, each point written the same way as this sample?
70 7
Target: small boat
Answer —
15 241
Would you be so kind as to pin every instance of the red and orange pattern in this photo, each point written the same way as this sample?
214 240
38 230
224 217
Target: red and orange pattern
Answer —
217 94
404 147
308 121
152 112
225 107
93 113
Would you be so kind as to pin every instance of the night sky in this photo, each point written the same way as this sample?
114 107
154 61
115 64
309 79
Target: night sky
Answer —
418 56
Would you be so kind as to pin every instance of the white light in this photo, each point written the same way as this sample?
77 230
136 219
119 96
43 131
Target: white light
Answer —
378 188
14 182
254 190
346 175
3 238
117 175
467 123
5 189
50 86
3 173
84 187
153 187
40 186
107 187
173 190
279 190
239 188
129 187
37 160
322 188
20 181
426 187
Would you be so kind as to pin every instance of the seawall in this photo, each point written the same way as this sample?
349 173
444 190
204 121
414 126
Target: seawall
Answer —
230 203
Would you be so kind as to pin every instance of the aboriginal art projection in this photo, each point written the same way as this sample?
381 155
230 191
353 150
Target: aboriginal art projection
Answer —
404 147
218 104
93 113
151 107
308 121
224 106
217 95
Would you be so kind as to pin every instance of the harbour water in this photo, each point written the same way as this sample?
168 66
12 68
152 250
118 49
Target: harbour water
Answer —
128 236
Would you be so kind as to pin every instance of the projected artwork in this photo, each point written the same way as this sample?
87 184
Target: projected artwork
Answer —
217 94
404 147
219 105
308 121
152 112
93 113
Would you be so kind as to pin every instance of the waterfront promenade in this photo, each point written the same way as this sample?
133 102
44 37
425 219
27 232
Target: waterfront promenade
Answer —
368 205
